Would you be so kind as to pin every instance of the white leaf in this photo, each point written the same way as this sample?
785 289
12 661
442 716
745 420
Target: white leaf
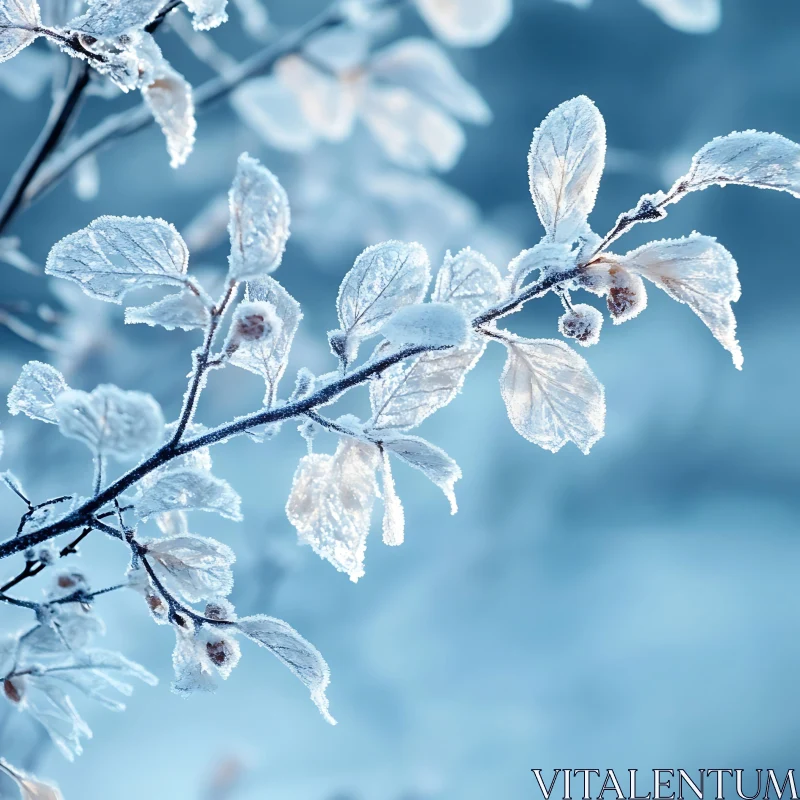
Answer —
36 390
169 97
551 395
468 281
31 788
432 461
187 489
393 515
411 390
116 254
427 324
384 277
751 158
109 19
273 111
259 222
331 503
414 134
689 16
565 165
111 421
299 655
700 272
194 567
466 23
422 67
207 14
18 21
184 309
327 102
269 357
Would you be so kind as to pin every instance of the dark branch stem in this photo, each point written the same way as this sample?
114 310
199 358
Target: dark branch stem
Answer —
61 115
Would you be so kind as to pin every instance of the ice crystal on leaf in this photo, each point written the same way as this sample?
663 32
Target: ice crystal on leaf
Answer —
184 309
187 489
466 23
468 281
259 221
268 356
30 788
207 14
393 515
551 395
565 165
115 255
331 503
427 324
107 19
110 421
36 391
19 20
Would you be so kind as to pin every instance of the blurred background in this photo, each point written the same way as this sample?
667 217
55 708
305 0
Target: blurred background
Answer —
632 608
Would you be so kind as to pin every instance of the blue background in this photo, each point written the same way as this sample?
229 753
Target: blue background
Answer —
632 608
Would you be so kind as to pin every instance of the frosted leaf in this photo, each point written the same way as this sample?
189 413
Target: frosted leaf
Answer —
331 503
468 281
384 277
410 391
547 256
583 323
551 395
427 324
207 14
689 16
201 653
30 787
194 567
432 461
422 67
627 296
273 111
259 222
183 309
254 18
466 23
751 158
393 515
169 97
109 19
292 650
110 421
412 133
18 21
327 103
36 390
114 255
187 489
700 272
565 165
269 357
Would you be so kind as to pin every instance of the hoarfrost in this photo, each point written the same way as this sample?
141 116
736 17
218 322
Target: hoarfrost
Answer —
187 489
207 14
36 391
468 281
18 21
429 324
184 309
393 515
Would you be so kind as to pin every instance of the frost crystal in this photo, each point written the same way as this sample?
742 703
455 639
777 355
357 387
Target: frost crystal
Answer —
468 281
259 221
551 395
583 323
384 278
466 23
300 656
207 14
180 310
18 20
429 324
421 66
432 461
268 356
110 421
752 158
700 272
187 489
565 165
331 503
36 390
114 255
393 515
199 654
194 567
109 19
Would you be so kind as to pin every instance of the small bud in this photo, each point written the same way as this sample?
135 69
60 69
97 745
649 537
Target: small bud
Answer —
220 609
337 340
47 555
253 321
582 323
14 689
627 296
303 384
